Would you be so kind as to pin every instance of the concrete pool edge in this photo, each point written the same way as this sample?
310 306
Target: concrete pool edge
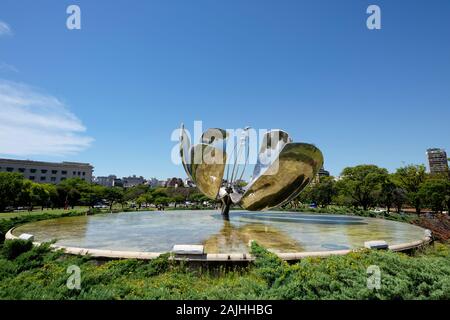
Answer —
212 257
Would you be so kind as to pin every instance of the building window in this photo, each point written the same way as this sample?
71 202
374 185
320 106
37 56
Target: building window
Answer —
64 172
74 173
84 173
63 178
44 171
22 170
53 179
33 170
79 173
9 169
54 171
43 178
31 178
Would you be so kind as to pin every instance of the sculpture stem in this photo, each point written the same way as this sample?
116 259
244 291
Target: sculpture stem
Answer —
226 204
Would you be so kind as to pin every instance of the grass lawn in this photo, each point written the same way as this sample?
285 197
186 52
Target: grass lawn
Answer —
332 209
56 212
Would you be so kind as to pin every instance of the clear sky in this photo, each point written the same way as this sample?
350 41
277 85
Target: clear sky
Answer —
112 93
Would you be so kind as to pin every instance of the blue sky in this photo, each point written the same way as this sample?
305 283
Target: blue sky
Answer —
112 93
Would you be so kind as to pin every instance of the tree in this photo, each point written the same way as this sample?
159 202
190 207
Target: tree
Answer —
140 201
387 194
198 198
177 199
25 195
113 195
303 197
10 186
148 198
37 194
362 184
91 194
179 194
399 198
69 191
435 193
410 178
41 194
159 192
52 195
135 192
162 201
322 192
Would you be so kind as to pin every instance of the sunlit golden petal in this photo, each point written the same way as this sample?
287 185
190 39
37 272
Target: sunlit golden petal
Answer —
207 167
296 166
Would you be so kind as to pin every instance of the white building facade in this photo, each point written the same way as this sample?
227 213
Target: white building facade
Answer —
47 172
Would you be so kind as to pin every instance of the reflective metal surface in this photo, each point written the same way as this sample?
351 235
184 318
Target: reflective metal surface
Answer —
207 168
273 142
283 169
185 151
295 167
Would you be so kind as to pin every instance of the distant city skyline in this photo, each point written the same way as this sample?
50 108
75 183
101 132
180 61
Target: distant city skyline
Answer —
112 93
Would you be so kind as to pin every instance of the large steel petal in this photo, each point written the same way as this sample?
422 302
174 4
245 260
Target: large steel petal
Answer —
185 154
207 167
272 143
296 166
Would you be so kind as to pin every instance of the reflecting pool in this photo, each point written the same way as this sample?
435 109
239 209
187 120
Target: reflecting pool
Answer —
158 231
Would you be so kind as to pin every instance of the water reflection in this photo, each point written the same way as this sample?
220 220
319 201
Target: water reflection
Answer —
158 231
237 238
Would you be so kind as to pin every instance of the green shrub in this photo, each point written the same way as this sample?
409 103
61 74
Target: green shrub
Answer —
268 265
426 276
157 266
42 274
33 258
14 248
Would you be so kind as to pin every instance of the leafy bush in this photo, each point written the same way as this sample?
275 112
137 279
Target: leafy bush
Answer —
39 273
33 258
268 265
426 276
14 248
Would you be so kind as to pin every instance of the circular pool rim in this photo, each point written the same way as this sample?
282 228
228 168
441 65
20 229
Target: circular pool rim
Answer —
288 256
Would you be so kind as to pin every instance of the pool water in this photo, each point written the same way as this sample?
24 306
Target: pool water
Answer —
159 231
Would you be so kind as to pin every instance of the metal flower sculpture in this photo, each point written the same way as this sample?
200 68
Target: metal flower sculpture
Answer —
282 170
